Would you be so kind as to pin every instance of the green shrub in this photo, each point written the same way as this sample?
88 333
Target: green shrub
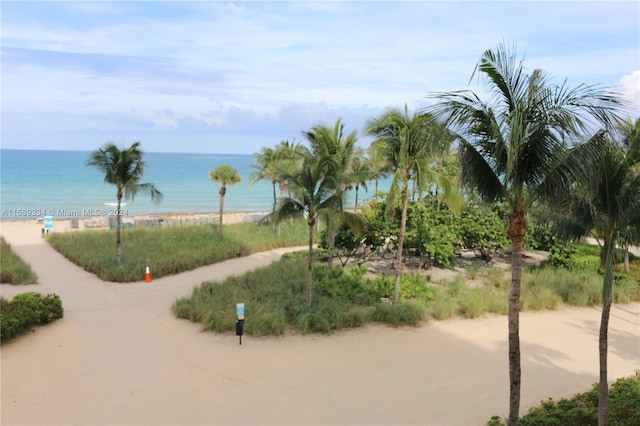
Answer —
560 255
27 310
582 409
415 287
482 229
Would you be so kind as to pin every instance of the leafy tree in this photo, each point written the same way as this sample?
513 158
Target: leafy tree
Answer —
123 168
482 229
430 231
408 144
509 147
224 175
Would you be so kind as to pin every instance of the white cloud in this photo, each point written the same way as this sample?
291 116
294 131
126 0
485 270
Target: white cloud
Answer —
630 84
262 70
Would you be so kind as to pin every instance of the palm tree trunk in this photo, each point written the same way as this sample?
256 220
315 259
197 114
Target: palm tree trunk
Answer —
275 201
310 222
607 291
626 258
118 221
403 228
222 192
516 230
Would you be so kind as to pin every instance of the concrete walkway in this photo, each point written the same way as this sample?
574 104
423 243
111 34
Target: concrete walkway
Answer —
119 357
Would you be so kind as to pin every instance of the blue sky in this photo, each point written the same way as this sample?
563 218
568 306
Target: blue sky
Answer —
232 77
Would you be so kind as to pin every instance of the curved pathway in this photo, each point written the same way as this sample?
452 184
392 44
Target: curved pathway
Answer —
119 357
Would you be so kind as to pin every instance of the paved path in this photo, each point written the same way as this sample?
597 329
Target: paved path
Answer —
119 357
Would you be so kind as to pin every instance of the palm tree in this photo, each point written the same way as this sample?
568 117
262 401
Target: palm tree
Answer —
123 168
331 142
362 172
407 142
629 132
607 199
288 159
224 175
508 149
266 165
313 193
378 164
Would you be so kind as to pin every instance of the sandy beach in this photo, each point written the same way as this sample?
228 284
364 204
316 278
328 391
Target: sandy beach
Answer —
120 357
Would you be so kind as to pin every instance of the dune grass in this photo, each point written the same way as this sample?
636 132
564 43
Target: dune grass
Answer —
274 298
14 270
171 250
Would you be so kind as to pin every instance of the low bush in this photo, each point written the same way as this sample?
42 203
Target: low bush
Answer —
14 270
27 310
582 409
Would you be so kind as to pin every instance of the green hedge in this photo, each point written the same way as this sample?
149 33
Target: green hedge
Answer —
27 310
582 409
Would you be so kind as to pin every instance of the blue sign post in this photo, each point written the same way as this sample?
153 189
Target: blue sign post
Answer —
240 320
48 224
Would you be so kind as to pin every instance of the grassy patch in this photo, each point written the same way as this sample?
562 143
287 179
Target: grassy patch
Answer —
274 299
171 250
14 270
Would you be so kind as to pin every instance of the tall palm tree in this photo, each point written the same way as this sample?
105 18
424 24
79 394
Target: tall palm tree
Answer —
288 159
123 168
629 132
407 142
362 173
332 142
265 169
224 175
607 199
508 148
313 193
378 164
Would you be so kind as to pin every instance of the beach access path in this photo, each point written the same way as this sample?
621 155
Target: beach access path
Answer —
120 357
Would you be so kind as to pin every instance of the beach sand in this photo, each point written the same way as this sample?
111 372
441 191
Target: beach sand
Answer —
120 357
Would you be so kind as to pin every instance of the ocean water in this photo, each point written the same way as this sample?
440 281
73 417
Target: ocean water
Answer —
59 184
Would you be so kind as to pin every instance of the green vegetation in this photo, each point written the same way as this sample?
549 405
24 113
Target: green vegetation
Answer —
124 169
275 300
582 409
13 270
349 297
168 251
225 175
25 311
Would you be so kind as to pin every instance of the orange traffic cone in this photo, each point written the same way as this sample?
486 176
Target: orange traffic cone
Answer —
147 276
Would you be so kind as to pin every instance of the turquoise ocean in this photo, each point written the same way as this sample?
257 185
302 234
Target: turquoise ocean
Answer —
37 183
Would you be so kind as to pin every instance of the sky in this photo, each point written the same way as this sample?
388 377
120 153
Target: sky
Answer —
233 77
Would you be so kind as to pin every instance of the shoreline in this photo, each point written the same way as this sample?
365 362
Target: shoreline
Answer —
65 224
